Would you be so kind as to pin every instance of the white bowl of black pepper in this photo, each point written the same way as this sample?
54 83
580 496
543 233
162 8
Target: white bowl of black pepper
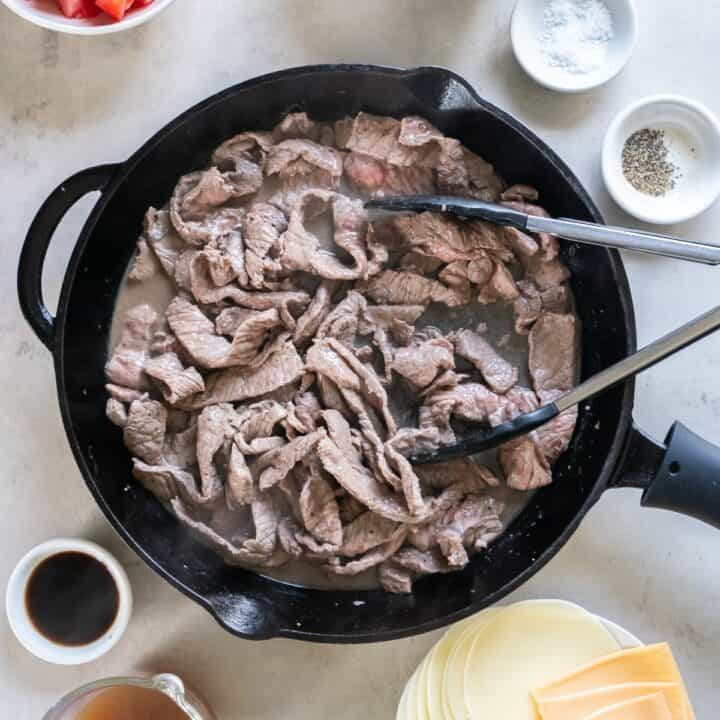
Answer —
661 159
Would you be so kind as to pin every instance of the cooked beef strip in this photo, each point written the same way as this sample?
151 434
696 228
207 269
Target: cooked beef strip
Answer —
421 362
125 395
370 559
319 508
116 412
240 487
276 453
497 372
548 243
377 178
126 365
362 484
175 381
554 437
389 325
331 358
299 125
207 293
196 333
500 286
520 193
144 263
232 553
214 433
196 208
524 464
248 146
169 481
444 237
241 383
440 476
406 288
553 352
263 225
299 249
160 236
308 323
274 465
294 158
144 431
342 321
365 532
527 308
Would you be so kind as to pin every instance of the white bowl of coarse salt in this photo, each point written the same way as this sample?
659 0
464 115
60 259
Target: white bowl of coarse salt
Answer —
661 159
573 45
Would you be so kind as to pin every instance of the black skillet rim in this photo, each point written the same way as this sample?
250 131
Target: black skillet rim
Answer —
123 169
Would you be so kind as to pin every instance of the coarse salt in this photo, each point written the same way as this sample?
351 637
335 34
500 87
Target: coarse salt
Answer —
575 34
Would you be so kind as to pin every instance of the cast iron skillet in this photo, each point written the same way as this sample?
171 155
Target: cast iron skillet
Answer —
607 451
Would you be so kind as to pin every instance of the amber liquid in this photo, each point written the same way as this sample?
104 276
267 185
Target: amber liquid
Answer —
126 702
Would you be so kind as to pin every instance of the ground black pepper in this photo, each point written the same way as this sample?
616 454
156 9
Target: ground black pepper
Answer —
646 164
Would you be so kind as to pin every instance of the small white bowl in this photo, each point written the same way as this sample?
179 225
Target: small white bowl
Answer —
46 13
526 29
694 134
31 638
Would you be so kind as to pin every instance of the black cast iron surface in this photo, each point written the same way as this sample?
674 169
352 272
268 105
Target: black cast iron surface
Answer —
242 601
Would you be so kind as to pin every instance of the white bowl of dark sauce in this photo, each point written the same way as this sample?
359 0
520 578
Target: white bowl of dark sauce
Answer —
68 601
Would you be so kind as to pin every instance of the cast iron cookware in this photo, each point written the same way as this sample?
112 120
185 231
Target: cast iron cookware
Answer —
607 451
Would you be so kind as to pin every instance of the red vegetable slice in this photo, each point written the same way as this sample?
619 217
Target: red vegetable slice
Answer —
78 9
115 8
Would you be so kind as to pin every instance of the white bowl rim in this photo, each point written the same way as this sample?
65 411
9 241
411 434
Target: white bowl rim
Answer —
132 20
597 81
36 643
612 132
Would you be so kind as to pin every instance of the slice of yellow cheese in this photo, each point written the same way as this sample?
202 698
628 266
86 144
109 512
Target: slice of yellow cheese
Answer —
650 663
582 704
525 646
648 707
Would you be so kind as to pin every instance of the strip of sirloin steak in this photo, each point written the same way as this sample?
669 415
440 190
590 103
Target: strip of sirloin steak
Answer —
262 403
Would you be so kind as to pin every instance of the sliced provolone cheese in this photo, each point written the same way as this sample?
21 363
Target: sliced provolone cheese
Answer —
650 663
436 668
410 694
452 693
420 702
401 713
579 705
648 707
524 646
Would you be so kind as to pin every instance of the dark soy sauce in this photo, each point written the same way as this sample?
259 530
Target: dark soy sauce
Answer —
71 598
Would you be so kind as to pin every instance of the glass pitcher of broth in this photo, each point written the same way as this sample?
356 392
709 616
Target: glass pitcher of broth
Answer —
162 697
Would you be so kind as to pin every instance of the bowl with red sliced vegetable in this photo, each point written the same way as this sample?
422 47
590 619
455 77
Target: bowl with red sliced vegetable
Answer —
87 17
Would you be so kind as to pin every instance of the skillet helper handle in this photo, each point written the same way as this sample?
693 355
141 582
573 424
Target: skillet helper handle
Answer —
37 241
688 479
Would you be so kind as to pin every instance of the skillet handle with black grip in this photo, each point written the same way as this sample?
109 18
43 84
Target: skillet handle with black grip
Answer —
682 475
37 241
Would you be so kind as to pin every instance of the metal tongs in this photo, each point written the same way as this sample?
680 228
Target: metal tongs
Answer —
486 437
584 232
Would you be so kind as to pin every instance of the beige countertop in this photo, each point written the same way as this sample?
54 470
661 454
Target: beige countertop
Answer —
67 103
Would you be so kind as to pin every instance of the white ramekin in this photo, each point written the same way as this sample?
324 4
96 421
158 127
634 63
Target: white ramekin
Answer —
46 14
27 633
